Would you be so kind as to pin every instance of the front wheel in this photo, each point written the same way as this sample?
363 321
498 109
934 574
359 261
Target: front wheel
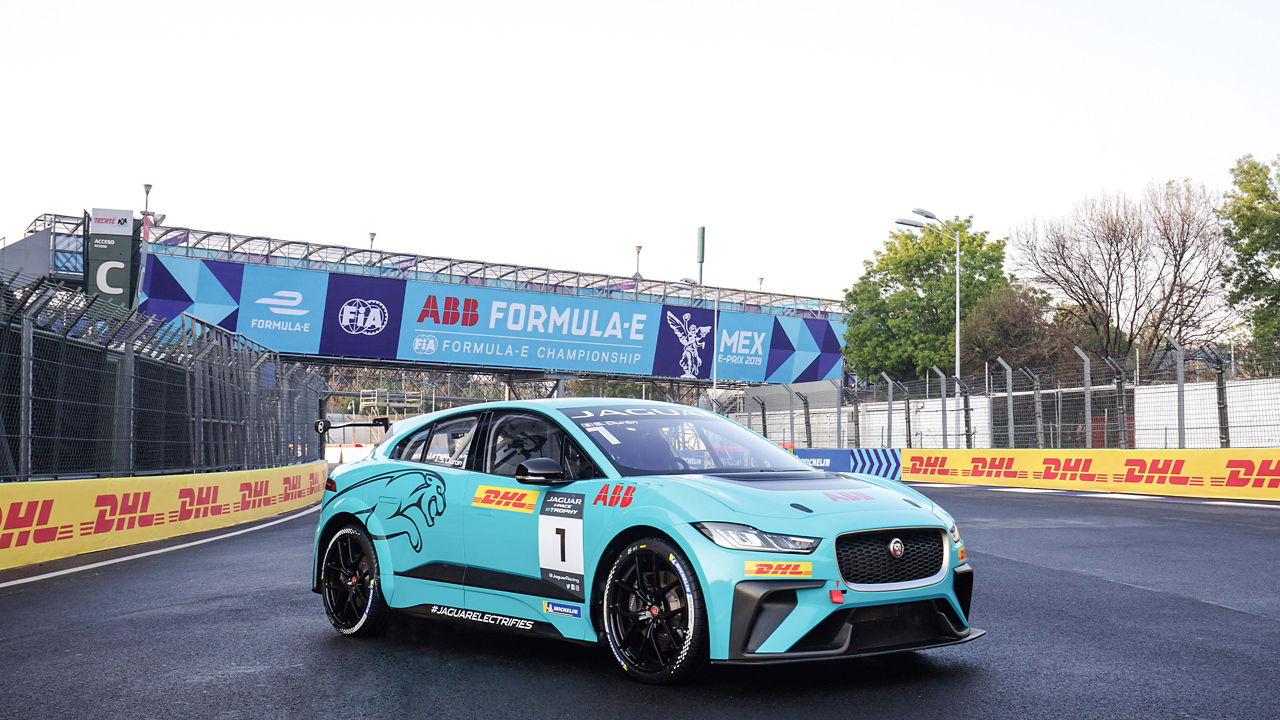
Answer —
349 584
654 618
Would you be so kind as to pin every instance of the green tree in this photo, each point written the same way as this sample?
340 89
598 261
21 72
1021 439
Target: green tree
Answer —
902 310
1018 323
1251 216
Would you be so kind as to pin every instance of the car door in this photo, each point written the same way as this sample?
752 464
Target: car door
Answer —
526 539
422 511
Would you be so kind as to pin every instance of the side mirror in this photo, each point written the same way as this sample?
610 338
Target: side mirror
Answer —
540 471
322 426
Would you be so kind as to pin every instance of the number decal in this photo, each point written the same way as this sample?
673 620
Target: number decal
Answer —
560 541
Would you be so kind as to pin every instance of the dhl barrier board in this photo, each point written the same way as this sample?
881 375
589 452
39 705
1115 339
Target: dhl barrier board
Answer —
47 520
1235 474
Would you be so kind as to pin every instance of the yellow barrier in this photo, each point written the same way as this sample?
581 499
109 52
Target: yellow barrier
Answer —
1237 474
46 520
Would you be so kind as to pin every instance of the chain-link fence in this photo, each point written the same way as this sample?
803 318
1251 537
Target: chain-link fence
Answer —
1208 397
89 389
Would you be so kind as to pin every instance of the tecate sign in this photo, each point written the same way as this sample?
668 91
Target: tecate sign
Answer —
111 222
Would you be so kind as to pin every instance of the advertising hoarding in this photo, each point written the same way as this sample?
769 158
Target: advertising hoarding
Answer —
305 311
111 256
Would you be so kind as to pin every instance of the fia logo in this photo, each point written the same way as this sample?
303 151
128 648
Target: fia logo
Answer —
284 302
362 317
426 344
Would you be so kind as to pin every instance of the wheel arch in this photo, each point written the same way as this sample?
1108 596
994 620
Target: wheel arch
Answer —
611 550
326 533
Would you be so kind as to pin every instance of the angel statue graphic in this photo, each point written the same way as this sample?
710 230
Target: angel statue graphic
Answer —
691 336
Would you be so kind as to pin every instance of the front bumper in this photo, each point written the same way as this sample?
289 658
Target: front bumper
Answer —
761 607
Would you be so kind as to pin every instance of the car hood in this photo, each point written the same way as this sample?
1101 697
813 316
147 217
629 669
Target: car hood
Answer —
803 495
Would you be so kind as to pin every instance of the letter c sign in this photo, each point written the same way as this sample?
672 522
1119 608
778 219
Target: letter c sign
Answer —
104 286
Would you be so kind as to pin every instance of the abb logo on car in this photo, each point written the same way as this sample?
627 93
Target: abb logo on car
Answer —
615 495
503 499
778 569
464 312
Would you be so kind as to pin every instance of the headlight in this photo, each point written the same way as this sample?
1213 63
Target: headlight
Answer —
744 537
954 532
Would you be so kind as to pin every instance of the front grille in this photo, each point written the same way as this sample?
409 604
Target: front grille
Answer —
865 559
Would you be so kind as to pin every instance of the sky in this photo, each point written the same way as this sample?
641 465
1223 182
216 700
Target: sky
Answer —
563 134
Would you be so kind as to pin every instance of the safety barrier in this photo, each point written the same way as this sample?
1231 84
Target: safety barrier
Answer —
1241 474
1219 474
47 520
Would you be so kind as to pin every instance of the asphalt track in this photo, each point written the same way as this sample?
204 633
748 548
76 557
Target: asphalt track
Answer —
1095 608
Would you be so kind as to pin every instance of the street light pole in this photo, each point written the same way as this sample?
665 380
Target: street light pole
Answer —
945 231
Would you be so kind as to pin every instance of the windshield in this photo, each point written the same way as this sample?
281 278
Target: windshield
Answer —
665 440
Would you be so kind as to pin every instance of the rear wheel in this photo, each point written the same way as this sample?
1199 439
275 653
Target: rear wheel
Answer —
349 584
654 618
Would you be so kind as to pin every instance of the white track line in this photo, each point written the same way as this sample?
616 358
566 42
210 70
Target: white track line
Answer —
1030 491
149 553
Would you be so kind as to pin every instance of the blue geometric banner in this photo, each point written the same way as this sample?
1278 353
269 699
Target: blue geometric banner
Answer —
294 310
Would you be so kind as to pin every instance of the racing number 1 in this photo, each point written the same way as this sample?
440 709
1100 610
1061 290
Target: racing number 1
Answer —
560 532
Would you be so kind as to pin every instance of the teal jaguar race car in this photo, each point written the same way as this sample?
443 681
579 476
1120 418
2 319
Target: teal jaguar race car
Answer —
668 533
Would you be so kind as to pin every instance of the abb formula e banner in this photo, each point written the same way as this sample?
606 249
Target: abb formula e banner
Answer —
294 310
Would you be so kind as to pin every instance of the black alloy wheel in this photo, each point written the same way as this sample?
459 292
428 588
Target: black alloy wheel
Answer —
349 583
653 613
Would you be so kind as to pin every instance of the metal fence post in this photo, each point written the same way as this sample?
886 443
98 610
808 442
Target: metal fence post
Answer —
839 383
1035 388
1220 381
1008 394
888 435
1122 407
1088 399
791 413
808 426
906 411
25 394
1180 357
943 396
965 391
764 421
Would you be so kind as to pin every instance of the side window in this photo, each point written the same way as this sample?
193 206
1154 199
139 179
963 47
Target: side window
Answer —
450 442
517 437
410 448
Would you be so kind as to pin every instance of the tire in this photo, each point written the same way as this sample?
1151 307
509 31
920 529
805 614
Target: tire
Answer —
349 584
655 622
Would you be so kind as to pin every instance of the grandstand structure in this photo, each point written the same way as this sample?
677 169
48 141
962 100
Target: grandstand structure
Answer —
432 386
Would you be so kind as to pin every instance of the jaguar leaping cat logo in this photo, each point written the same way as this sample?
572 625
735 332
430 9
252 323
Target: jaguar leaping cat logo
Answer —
420 500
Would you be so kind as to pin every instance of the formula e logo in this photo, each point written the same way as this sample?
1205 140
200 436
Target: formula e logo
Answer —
426 344
284 302
362 317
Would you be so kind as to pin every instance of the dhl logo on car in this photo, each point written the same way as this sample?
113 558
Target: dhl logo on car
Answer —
503 499
778 569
